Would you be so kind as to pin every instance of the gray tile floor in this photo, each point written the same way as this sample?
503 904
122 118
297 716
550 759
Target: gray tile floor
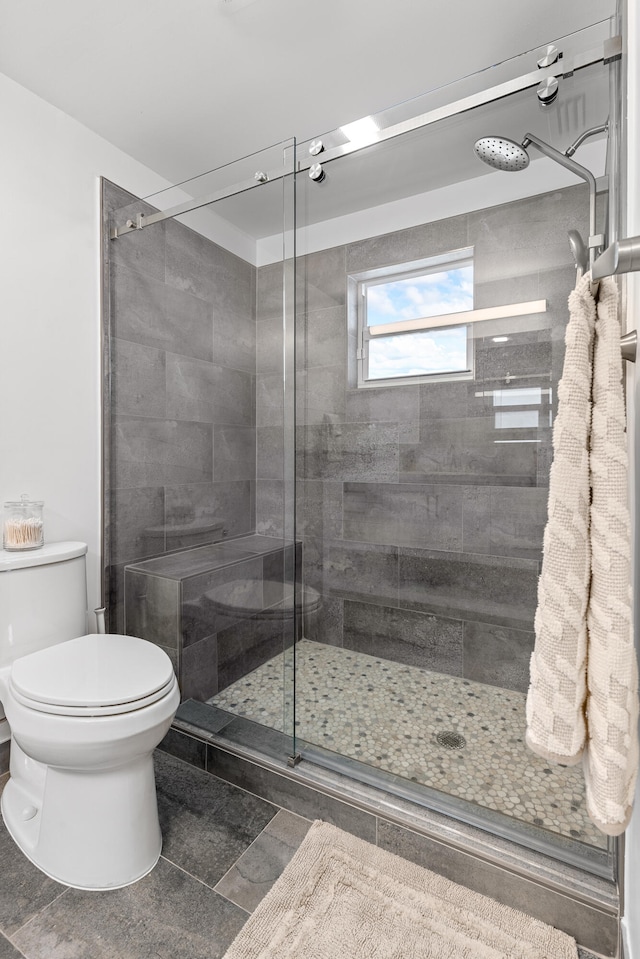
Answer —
223 850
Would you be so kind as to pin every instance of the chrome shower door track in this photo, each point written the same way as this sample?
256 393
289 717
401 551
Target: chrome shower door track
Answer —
607 52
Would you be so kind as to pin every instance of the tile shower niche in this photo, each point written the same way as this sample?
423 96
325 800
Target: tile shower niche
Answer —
219 611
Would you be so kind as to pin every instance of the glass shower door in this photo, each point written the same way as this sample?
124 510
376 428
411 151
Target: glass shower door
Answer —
200 554
432 302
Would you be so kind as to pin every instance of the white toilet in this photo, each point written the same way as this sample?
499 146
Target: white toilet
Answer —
86 712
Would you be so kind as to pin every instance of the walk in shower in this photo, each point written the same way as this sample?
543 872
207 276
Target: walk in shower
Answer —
331 375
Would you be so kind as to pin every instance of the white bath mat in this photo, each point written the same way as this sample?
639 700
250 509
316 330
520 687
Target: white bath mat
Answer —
342 898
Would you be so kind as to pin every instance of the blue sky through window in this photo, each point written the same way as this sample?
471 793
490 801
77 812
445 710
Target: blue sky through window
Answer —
425 352
430 294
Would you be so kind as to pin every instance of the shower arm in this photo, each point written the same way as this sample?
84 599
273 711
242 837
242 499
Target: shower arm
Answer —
596 241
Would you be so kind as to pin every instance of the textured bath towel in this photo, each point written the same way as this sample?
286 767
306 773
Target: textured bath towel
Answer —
556 722
611 758
583 696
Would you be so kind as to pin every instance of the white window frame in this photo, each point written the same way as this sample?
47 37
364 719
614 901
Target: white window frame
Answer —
455 259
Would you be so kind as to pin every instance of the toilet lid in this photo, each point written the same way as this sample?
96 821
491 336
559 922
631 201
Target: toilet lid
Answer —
105 673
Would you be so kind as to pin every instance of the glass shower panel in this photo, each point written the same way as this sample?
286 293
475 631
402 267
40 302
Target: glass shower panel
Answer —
421 504
200 555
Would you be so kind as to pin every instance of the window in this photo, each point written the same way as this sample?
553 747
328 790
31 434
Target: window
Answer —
408 327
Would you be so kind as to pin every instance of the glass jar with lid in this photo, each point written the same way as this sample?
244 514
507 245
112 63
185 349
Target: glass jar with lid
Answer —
23 527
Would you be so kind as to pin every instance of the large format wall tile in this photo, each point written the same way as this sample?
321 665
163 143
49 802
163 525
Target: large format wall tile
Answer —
466 483
320 509
480 588
504 249
366 452
152 608
321 338
404 636
269 452
497 655
443 400
320 394
182 353
397 404
363 572
248 644
269 344
207 393
214 601
273 498
403 515
234 340
521 356
476 519
138 379
234 453
507 290
405 246
217 610
269 399
518 518
196 265
140 513
145 310
150 451
321 280
234 502
467 451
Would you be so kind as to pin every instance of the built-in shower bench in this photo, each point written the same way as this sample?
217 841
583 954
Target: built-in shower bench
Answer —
214 609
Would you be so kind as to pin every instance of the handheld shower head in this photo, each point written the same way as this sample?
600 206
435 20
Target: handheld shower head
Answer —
579 251
502 154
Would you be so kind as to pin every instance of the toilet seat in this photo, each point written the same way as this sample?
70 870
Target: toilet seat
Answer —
94 675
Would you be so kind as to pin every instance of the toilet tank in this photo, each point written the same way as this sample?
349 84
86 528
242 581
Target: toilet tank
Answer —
43 598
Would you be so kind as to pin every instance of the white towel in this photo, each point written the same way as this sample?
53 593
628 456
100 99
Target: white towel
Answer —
556 727
611 758
583 696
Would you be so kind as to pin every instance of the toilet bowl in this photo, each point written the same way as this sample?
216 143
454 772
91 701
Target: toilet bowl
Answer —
85 716
85 712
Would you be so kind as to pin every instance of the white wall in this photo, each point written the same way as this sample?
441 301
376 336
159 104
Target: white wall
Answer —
50 444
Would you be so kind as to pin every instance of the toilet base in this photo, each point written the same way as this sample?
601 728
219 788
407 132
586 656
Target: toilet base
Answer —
93 831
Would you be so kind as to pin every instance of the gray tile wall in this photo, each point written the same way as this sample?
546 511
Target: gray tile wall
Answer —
421 529
404 498
214 610
180 403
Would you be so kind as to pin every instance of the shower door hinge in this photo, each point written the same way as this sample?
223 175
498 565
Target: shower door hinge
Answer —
293 761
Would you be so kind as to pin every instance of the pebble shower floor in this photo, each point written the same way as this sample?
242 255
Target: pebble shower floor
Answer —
388 715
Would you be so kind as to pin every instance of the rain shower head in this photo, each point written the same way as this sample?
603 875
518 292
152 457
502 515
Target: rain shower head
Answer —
502 154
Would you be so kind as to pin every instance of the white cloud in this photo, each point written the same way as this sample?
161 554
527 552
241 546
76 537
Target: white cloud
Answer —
430 295
414 354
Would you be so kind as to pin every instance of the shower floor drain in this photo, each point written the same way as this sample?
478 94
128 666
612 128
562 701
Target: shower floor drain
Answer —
451 740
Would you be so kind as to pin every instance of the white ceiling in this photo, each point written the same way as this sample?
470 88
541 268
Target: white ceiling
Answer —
187 86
